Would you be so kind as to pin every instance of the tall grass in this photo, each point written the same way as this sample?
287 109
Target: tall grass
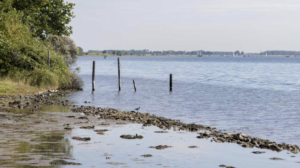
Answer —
11 87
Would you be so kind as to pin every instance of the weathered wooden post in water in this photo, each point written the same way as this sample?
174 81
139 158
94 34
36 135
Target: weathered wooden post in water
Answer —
119 74
134 86
93 77
49 58
171 82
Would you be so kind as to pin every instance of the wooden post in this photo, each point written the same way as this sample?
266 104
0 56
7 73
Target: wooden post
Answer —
134 86
49 58
119 74
93 77
171 82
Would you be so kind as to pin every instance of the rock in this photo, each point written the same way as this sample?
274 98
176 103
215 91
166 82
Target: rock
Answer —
241 136
275 147
193 147
81 139
104 123
83 118
101 130
147 155
258 152
63 162
222 165
132 136
227 135
160 131
87 127
121 123
275 158
206 133
70 116
159 147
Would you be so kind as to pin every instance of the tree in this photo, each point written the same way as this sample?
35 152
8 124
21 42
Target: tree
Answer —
104 52
237 52
119 53
114 52
242 53
46 16
80 51
126 53
64 46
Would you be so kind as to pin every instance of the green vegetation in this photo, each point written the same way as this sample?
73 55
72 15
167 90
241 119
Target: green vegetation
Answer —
10 87
26 38
119 53
80 51
46 16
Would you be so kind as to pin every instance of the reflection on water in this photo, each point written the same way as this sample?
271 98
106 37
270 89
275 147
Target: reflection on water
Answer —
257 96
44 146
33 141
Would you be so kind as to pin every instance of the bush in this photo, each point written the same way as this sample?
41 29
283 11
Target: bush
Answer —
76 82
43 78
25 58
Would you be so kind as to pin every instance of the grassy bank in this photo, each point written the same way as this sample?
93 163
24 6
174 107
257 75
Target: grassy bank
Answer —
9 87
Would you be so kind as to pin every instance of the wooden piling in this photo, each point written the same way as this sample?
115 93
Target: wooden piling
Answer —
171 82
49 58
134 86
93 77
119 74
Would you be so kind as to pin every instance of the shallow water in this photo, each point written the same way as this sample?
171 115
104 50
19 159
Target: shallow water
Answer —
258 96
32 144
124 152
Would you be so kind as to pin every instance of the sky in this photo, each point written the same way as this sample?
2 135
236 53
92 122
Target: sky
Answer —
210 25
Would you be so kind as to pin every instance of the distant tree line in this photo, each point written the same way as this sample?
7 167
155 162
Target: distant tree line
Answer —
172 52
280 52
169 52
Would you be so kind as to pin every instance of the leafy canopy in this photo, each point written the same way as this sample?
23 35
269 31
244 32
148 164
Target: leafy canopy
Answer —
46 16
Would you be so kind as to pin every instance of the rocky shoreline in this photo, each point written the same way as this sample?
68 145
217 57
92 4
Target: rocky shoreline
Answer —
209 132
51 97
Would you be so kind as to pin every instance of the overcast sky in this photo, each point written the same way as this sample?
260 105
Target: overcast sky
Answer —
211 25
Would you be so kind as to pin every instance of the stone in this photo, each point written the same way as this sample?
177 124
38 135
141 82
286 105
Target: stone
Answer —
63 162
132 136
147 155
81 139
258 152
275 158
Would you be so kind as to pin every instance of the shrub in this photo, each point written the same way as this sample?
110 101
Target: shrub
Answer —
25 58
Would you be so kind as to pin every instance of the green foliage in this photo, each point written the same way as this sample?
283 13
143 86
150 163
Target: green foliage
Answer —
64 46
114 52
43 78
46 16
80 51
119 53
24 57
237 52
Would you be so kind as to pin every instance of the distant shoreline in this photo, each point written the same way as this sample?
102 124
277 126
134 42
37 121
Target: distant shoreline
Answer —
110 55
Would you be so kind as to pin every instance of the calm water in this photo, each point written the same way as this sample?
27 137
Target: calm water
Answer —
255 95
